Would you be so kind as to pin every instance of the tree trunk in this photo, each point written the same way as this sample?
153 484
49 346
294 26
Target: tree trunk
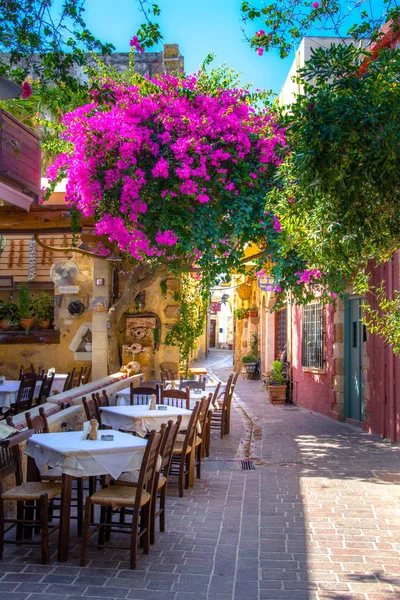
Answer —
138 280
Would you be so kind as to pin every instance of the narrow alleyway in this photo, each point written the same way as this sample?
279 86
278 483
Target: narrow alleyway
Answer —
318 518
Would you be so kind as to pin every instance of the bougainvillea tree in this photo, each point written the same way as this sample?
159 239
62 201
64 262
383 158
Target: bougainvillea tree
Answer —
174 171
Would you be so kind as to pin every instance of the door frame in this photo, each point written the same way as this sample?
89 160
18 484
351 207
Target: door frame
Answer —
347 363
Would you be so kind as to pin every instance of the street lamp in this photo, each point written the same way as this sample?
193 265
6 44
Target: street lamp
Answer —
9 89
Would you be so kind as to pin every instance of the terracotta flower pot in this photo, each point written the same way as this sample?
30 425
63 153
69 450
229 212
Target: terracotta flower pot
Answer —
277 394
27 323
44 323
5 325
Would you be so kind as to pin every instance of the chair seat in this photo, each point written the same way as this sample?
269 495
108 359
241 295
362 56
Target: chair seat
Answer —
32 490
178 448
119 495
198 441
161 482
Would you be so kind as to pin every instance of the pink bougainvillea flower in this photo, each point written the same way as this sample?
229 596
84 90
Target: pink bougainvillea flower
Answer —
311 106
166 238
260 33
260 273
260 51
315 4
134 43
26 90
291 200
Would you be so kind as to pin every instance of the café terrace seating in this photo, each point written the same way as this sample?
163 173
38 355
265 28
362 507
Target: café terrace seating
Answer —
130 503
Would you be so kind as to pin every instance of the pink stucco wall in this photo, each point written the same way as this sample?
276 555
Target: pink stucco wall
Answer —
313 390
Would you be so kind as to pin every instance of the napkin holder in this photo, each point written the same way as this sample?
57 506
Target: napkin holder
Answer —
90 430
152 403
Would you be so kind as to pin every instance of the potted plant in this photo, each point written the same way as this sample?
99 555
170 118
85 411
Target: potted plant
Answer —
43 307
276 382
253 311
8 314
26 312
250 362
240 313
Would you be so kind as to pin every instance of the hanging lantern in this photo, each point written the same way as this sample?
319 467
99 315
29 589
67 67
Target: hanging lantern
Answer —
244 291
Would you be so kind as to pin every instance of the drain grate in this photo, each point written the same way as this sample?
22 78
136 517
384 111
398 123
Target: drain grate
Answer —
248 465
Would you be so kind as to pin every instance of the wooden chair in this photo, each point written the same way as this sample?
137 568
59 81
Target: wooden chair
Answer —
86 372
69 380
142 394
39 424
220 415
92 410
201 438
181 454
192 384
24 397
177 398
120 497
45 389
101 399
24 495
214 400
228 415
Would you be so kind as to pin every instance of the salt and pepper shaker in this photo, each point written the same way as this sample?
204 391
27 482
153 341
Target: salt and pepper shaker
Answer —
93 429
153 400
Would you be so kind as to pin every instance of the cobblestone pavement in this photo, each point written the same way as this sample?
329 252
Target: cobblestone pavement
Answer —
318 518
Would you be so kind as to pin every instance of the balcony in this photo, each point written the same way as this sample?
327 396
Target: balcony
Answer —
19 161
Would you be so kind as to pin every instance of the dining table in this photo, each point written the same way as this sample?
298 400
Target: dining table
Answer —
139 419
79 457
9 390
122 397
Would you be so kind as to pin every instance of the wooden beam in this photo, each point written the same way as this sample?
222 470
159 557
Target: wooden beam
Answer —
49 219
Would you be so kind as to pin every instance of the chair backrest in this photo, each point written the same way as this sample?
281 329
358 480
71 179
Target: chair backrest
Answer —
191 428
69 381
142 394
91 409
25 393
101 399
86 372
234 381
203 412
177 398
45 388
38 423
168 444
192 384
215 395
227 394
152 384
10 457
150 459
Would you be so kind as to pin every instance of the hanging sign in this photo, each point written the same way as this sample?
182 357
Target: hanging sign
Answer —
215 307
266 283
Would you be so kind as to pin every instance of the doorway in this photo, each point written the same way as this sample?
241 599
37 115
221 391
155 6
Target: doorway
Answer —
354 337
213 329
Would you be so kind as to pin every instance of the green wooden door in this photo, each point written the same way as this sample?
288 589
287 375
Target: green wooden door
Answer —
354 339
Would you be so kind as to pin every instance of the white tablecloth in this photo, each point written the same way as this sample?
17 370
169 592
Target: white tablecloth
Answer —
8 393
141 420
58 382
78 458
123 397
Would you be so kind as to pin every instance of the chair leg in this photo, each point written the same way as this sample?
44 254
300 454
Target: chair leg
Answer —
187 469
145 526
181 477
153 510
79 503
44 526
198 464
29 516
163 495
134 540
109 516
20 517
102 529
86 532
1 528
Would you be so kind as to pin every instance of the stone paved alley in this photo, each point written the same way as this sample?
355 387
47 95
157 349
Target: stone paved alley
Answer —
319 517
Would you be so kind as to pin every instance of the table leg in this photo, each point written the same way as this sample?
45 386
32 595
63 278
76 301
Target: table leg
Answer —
65 518
192 461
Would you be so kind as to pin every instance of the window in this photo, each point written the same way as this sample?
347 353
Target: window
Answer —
281 331
313 337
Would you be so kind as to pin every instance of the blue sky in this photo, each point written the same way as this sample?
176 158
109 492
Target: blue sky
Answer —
199 27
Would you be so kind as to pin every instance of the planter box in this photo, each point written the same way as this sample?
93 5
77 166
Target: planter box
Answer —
277 394
250 367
